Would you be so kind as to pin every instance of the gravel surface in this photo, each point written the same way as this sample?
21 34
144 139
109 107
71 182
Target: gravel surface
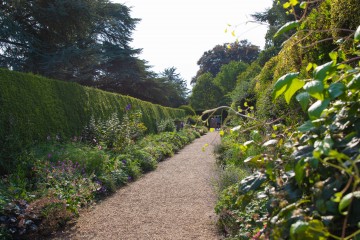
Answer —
176 201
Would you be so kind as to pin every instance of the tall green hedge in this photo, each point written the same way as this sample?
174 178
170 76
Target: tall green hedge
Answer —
33 108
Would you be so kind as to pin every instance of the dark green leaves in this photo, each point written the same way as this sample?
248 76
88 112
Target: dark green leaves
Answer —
336 89
286 27
307 126
288 84
304 100
300 171
252 182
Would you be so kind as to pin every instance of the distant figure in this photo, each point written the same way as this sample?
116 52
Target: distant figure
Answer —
218 123
212 122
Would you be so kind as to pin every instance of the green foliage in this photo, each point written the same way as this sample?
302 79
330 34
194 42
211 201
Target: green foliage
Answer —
188 110
334 121
55 179
226 78
286 28
146 161
308 176
344 17
244 89
35 108
241 215
175 87
205 94
67 181
166 126
276 17
229 175
86 41
114 133
212 60
306 171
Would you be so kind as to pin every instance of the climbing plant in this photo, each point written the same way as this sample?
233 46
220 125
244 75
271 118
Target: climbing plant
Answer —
305 177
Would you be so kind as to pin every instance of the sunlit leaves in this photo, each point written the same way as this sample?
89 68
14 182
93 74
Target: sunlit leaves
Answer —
324 146
270 142
303 5
290 3
221 133
357 34
288 84
346 201
286 27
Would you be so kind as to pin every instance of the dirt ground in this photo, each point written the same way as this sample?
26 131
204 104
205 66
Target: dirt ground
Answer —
176 201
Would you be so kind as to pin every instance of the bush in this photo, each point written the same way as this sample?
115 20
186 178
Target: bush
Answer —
146 161
166 126
229 175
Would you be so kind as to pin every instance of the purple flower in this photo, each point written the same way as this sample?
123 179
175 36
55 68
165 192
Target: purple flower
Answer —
124 162
49 155
128 107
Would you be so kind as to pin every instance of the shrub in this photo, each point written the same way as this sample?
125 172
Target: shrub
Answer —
67 181
229 175
130 166
166 126
146 161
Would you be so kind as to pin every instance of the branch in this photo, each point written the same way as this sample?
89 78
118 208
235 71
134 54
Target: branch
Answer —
261 124
225 107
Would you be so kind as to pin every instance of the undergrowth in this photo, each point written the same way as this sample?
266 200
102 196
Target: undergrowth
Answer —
54 180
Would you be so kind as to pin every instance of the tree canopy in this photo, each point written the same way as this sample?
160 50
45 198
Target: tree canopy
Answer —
86 41
212 60
205 94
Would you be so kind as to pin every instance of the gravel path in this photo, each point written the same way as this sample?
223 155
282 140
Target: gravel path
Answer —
176 201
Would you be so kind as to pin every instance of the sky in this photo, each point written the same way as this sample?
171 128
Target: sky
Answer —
176 33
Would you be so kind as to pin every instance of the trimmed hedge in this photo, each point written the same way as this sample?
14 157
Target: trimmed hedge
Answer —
34 108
